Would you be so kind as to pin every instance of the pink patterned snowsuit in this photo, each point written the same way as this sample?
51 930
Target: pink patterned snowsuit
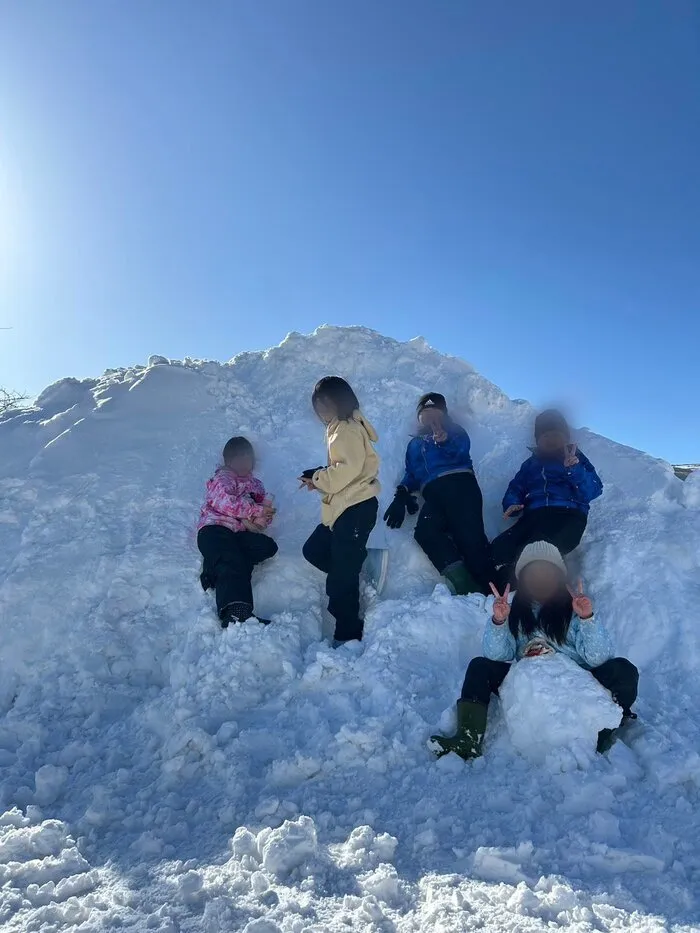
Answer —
231 498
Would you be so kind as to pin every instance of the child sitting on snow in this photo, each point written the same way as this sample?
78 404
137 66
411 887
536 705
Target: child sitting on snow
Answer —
349 488
551 493
450 527
545 615
231 532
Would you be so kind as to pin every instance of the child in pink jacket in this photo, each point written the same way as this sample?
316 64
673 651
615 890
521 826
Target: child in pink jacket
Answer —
231 532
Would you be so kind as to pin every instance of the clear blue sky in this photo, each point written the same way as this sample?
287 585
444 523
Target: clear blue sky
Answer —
518 182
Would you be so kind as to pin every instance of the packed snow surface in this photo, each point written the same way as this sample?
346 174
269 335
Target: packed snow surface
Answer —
158 774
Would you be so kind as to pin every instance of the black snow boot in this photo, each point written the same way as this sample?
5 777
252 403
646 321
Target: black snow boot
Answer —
235 612
471 725
606 740
608 737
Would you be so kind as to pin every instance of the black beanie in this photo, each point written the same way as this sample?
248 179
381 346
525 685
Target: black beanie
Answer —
432 400
551 420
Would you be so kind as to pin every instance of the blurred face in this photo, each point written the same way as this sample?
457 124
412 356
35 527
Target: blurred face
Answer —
242 464
552 442
431 419
325 409
541 581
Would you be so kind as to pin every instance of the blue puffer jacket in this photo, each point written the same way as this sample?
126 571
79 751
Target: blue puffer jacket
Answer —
426 460
539 483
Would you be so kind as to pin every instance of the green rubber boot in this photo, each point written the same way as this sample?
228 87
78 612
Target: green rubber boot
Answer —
471 725
606 740
459 581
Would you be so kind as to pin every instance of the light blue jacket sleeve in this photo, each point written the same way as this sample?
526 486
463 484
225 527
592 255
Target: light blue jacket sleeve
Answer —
498 643
592 640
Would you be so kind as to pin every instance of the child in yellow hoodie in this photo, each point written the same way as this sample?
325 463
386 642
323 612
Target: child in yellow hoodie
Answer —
349 488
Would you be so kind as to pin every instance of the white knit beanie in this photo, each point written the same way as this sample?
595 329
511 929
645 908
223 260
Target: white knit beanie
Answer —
539 550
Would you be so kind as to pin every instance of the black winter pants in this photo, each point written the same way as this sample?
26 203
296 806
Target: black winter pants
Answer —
450 527
560 526
485 677
229 558
340 553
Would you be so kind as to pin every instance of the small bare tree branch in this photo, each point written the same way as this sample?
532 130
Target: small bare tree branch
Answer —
10 400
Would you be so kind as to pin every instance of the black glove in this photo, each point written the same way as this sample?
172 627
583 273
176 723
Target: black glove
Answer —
396 512
411 502
309 474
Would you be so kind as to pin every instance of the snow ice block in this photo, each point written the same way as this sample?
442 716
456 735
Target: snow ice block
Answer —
552 706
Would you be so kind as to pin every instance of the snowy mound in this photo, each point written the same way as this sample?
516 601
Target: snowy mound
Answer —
137 741
692 490
553 710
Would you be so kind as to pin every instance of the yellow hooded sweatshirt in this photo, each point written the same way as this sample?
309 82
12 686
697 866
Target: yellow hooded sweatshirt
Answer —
353 465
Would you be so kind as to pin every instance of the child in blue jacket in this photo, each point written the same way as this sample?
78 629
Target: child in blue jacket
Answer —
550 493
544 616
450 527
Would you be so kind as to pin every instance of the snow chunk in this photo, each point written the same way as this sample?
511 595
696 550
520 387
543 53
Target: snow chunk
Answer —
244 843
262 926
506 864
190 886
49 781
384 884
364 849
554 709
289 846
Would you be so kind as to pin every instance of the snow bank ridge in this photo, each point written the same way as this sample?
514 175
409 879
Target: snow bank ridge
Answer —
136 742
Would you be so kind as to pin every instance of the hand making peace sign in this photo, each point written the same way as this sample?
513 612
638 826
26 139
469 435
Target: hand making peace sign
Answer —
582 605
501 606
570 458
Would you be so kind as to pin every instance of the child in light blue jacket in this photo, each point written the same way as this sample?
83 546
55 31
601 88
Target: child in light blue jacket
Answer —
587 642
544 616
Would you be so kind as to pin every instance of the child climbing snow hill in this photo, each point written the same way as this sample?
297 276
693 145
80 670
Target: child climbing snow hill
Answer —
551 493
450 527
231 534
349 488
545 615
